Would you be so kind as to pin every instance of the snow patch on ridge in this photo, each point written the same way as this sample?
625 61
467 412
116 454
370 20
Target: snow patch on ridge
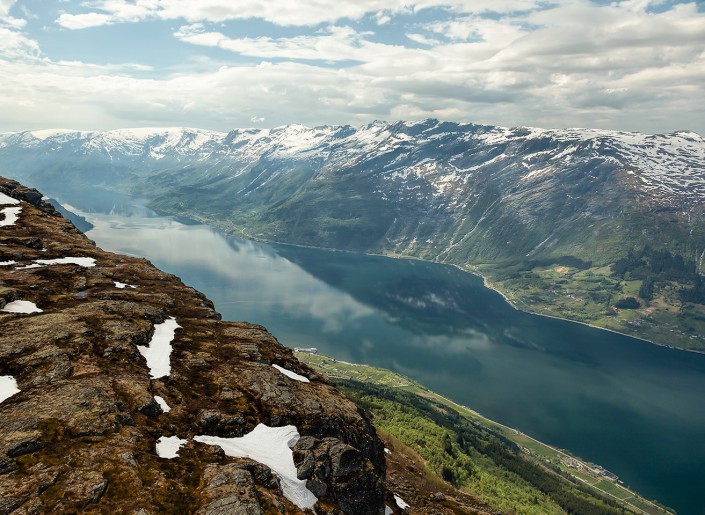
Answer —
169 447
6 200
122 286
86 262
158 352
270 446
292 375
8 387
21 306
162 404
400 502
10 215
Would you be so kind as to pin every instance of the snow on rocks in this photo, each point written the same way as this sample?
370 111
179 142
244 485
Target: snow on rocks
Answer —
122 286
158 352
270 446
21 306
169 447
162 404
10 216
387 510
400 502
292 375
8 201
85 262
8 387
7 263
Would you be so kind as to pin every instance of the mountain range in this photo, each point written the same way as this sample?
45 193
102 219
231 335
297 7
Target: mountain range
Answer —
567 222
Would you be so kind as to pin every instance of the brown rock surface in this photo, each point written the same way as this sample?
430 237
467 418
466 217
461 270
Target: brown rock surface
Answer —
80 436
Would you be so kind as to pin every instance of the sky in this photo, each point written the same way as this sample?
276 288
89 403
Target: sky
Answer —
636 65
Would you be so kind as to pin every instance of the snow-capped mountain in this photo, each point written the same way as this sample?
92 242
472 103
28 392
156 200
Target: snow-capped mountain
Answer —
449 191
669 168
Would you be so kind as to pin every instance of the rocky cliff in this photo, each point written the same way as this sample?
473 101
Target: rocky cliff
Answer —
122 391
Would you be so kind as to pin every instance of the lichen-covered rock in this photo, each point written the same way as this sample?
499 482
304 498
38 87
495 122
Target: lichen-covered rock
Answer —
337 473
81 434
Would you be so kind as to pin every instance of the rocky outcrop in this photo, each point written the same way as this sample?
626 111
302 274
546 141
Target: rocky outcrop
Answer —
81 434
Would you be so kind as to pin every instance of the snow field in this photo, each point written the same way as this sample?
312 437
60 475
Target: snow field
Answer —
10 215
162 404
169 447
400 502
270 446
8 387
292 375
122 286
85 262
8 201
21 306
158 352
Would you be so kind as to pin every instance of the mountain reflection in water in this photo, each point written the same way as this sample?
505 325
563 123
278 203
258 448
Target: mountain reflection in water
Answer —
635 408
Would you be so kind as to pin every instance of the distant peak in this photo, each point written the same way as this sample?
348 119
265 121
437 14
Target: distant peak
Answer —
43 134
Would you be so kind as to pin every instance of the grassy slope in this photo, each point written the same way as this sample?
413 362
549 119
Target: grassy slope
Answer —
589 296
478 455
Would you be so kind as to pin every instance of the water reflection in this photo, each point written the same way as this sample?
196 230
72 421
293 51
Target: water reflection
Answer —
635 408
241 272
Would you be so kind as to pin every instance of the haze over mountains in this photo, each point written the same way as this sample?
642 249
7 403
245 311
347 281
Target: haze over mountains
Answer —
509 198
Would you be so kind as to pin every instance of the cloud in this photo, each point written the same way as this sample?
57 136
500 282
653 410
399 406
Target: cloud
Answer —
5 6
5 18
279 12
84 21
331 44
16 45
629 66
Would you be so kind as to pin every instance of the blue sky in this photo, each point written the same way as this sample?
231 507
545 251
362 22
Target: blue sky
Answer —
219 64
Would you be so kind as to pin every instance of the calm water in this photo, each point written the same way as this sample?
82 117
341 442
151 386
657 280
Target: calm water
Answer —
635 408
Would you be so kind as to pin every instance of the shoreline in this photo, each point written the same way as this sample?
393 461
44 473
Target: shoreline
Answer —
490 286
485 281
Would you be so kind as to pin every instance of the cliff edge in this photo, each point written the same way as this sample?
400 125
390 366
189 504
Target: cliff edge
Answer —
122 391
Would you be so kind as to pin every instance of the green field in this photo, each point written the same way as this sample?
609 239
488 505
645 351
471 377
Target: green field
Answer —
590 295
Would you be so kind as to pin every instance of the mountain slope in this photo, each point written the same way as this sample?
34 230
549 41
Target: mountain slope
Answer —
517 203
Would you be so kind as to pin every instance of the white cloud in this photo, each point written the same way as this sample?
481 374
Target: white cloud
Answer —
7 20
333 44
5 6
16 45
420 38
84 21
623 68
280 12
